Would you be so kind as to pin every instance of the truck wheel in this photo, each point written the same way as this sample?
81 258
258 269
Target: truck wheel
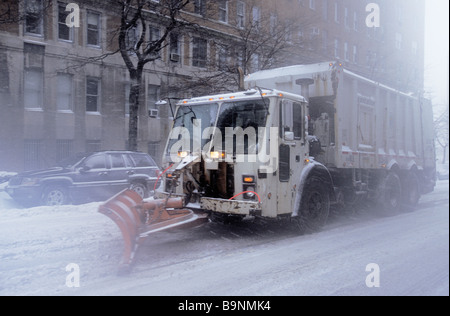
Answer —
140 189
411 191
55 195
391 197
314 207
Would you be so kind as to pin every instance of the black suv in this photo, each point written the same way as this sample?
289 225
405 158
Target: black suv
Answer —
86 177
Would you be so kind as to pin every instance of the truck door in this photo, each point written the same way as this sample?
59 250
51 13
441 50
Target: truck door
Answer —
291 153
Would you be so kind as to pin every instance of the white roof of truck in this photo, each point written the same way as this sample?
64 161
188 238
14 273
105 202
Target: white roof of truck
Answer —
242 95
288 72
292 73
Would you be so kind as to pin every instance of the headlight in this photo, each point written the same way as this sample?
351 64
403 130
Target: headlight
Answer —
217 155
250 195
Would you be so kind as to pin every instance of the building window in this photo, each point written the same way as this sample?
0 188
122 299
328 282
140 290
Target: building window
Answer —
200 7
65 33
256 14
240 12
64 149
312 4
153 96
223 58
64 98
33 89
131 39
223 11
92 94
175 47
155 36
93 29
355 21
32 154
199 52
34 17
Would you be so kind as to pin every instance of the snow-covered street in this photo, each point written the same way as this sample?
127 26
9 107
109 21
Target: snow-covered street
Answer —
411 250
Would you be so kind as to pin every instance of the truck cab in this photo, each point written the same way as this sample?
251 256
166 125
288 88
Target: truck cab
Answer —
240 154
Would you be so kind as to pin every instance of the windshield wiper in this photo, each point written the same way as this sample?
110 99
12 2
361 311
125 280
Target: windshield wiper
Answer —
264 100
185 113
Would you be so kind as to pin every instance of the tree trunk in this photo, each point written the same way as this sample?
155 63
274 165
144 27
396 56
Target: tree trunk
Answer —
135 92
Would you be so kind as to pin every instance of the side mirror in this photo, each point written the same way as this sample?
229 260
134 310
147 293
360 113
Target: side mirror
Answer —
84 169
161 103
289 136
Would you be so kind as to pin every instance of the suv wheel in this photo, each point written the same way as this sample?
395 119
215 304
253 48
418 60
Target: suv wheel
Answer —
140 189
55 195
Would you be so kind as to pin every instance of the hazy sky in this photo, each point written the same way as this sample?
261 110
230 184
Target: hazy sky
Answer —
437 51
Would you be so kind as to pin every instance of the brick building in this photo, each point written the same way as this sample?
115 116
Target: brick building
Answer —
58 98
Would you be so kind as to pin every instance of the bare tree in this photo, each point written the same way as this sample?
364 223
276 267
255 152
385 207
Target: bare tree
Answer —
137 48
262 39
441 127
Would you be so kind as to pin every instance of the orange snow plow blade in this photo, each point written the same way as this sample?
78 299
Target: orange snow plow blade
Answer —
137 219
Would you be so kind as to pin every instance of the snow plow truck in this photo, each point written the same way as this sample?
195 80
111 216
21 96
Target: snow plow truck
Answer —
299 140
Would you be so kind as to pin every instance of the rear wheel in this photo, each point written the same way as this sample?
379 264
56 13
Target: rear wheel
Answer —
391 195
140 189
314 207
55 195
411 191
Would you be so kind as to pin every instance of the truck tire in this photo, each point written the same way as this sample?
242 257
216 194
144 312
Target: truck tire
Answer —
314 206
55 195
391 195
411 191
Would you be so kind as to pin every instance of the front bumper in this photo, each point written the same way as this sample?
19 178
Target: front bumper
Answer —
24 193
232 207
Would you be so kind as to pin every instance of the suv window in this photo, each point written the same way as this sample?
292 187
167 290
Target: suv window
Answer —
95 162
117 161
142 160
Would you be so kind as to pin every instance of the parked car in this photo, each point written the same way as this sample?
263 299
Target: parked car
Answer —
442 171
86 177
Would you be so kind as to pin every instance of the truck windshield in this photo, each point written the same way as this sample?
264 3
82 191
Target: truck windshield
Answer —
187 117
244 117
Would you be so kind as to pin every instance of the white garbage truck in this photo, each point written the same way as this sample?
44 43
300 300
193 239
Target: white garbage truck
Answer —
298 140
